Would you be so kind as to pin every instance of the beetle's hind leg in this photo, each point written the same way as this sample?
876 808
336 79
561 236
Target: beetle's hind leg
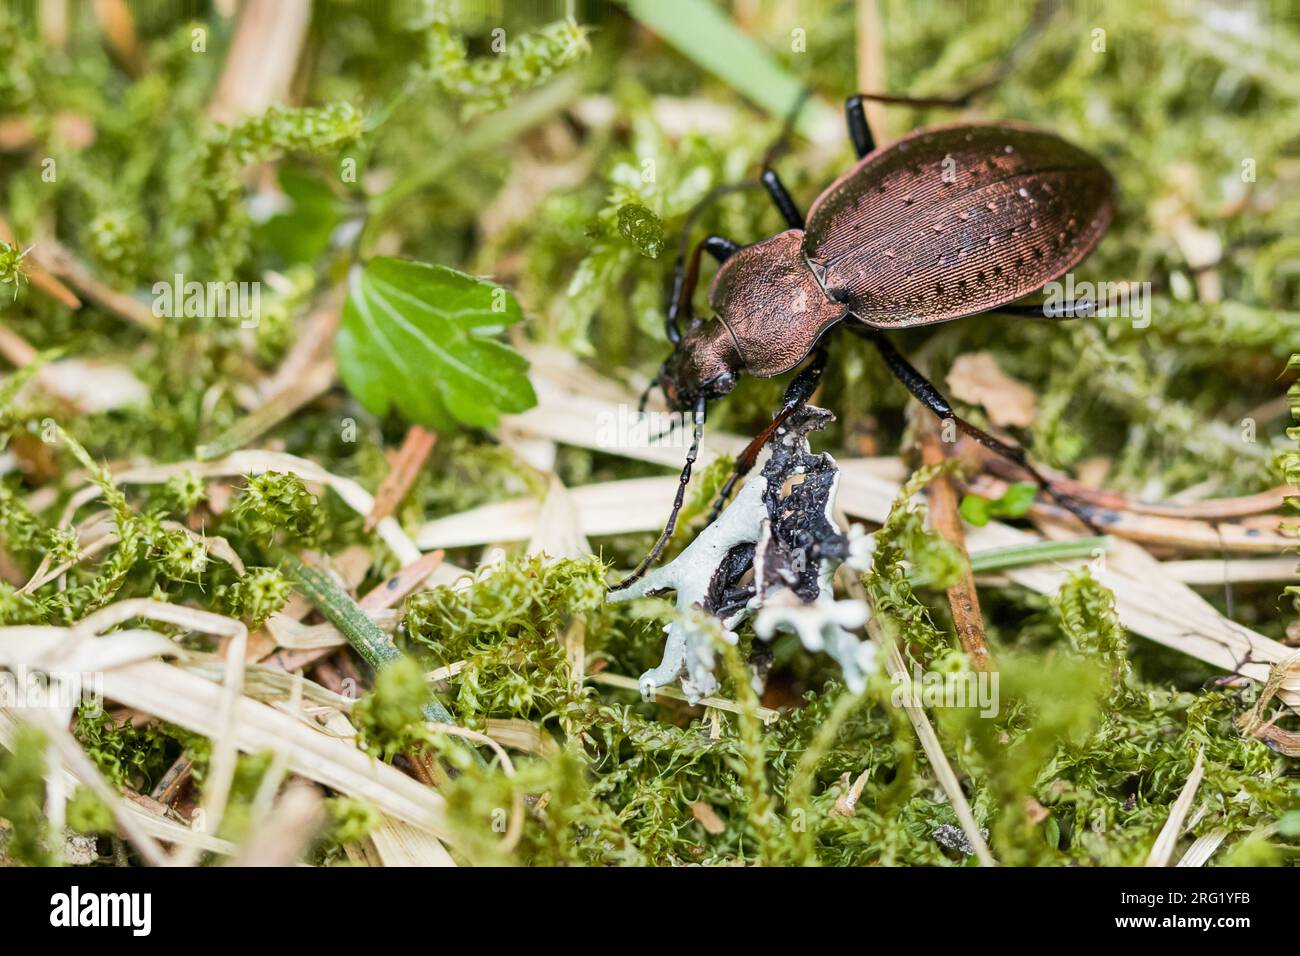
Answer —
797 392
1053 311
860 131
933 399
855 112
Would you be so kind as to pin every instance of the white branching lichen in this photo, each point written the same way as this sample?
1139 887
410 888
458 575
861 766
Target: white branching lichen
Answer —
772 554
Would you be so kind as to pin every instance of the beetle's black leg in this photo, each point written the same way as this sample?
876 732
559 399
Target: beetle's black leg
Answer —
701 406
859 129
933 399
720 247
645 397
782 141
771 181
796 393
1074 309
717 192
686 276
781 198
855 113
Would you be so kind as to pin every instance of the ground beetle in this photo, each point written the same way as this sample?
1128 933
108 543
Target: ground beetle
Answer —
947 223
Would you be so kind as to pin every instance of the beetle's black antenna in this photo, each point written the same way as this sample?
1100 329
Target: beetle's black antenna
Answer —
645 397
701 406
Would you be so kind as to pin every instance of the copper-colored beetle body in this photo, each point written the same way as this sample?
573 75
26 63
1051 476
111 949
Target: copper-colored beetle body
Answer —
947 222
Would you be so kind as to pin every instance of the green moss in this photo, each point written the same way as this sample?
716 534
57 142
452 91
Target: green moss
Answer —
86 813
277 507
22 799
349 820
390 719
517 63
11 268
254 597
129 756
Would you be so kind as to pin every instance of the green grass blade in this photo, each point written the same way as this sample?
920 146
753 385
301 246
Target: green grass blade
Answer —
1070 549
700 32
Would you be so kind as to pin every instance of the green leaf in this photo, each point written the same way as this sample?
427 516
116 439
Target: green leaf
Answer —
302 232
1014 503
1016 500
975 510
417 337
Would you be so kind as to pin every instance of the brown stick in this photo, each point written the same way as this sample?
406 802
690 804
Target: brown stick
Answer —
259 68
118 25
962 596
405 468
60 261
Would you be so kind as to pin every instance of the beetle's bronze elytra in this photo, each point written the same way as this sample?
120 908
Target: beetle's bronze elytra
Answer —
946 223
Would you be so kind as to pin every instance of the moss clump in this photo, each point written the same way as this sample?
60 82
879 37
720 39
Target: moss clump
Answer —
390 719
86 813
22 800
277 507
254 597
129 756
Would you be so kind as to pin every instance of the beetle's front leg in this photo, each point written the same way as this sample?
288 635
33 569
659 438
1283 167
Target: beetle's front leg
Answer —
781 198
701 407
686 276
797 392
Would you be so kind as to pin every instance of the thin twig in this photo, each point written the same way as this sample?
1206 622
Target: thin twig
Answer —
962 596
404 469
315 383
61 263
766 714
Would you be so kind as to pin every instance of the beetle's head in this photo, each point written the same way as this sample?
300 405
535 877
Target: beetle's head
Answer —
704 364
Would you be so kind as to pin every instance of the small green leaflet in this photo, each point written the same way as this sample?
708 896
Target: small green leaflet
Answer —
1014 503
418 337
